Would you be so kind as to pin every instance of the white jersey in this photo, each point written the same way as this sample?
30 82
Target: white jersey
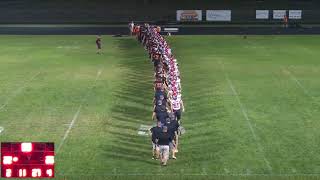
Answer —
175 104
131 26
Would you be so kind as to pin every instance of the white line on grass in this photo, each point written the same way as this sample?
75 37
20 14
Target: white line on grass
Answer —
204 171
226 170
1 129
19 90
75 117
306 92
244 112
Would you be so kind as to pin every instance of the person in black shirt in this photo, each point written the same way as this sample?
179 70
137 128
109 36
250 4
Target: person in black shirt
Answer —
154 133
173 126
160 112
156 60
158 93
163 139
162 98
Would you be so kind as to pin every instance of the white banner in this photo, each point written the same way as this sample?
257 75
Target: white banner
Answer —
189 15
262 14
171 29
218 15
295 14
279 14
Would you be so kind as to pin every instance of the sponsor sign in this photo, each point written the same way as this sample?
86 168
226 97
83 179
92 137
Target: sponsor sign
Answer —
279 14
189 15
295 14
262 14
218 15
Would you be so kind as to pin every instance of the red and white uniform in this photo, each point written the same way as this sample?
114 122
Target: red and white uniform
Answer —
175 104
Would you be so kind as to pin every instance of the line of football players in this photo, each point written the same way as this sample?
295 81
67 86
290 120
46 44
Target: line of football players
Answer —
167 101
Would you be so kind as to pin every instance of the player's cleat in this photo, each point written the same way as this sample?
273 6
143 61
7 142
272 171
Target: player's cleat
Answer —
176 150
173 157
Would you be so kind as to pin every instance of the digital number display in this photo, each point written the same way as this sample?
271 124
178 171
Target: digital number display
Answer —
27 160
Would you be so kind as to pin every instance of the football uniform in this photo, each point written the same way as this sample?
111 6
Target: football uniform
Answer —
98 43
176 107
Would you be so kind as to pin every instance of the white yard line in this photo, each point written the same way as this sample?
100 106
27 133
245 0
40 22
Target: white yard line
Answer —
19 90
76 115
1 129
306 92
244 112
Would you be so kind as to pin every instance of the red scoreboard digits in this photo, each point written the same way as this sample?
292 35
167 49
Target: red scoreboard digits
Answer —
27 160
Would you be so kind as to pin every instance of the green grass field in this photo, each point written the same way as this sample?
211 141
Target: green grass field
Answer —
252 105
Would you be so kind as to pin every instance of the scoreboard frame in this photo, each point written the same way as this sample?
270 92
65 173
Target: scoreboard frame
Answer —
27 159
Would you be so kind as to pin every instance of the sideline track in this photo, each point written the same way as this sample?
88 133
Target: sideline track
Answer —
92 29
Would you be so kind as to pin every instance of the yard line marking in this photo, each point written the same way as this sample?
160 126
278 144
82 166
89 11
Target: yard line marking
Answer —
226 170
114 170
306 92
19 90
76 115
244 112
1 129
144 130
204 171
69 128
294 170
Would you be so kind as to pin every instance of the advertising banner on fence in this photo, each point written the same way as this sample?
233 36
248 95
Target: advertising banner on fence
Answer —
295 14
189 15
262 14
279 14
218 15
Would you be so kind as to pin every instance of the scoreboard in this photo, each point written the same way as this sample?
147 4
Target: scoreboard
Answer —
27 160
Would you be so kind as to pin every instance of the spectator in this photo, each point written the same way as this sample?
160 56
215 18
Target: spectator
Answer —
285 21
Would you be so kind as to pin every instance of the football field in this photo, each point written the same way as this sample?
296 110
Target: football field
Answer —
252 105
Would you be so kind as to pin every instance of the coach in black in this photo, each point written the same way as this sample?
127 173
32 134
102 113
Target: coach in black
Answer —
155 131
163 140
173 126
160 112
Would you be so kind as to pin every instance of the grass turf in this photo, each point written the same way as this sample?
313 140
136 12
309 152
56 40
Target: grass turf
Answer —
252 105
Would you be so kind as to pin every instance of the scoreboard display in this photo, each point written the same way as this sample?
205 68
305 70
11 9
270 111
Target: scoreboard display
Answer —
27 160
